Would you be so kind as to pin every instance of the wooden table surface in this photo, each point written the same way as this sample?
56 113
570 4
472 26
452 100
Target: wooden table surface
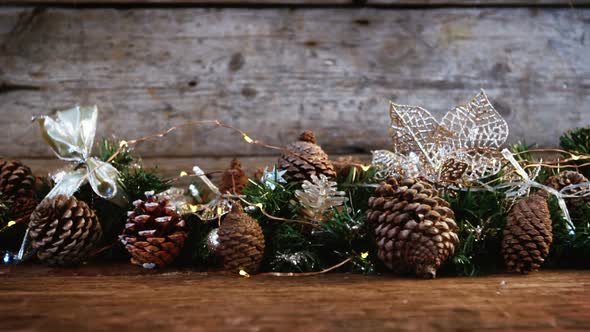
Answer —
116 297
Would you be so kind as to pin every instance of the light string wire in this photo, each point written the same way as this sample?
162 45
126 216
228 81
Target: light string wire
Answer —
304 274
518 169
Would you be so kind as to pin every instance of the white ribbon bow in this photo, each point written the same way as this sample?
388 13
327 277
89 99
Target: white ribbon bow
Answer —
71 136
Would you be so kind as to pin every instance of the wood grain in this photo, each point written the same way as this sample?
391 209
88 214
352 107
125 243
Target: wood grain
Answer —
276 72
487 3
122 297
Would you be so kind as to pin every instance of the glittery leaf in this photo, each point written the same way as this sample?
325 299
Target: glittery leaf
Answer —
469 134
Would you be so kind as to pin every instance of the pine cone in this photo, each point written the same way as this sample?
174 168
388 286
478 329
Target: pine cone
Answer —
154 233
527 234
345 165
415 229
21 209
566 178
16 179
234 179
63 230
304 159
241 242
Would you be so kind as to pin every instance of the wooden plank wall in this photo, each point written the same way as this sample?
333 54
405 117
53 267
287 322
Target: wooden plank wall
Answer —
275 70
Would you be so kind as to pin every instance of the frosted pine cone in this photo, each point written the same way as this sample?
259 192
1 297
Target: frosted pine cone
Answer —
154 233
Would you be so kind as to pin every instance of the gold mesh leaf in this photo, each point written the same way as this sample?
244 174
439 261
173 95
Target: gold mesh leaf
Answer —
464 145
412 130
474 125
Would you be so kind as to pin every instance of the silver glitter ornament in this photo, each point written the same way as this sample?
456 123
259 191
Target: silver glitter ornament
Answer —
213 241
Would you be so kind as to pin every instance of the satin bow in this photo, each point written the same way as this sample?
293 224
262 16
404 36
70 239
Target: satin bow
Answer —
71 136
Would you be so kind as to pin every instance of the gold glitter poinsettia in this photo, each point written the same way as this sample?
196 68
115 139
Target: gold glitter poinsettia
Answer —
462 146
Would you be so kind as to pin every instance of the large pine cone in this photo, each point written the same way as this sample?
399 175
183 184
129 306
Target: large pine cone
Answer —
234 179
63 230
154 233
304 159
415 229
16 179
566 178
241 242
528 233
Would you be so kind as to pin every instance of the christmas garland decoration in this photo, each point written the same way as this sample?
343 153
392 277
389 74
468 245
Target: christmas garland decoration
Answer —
447 199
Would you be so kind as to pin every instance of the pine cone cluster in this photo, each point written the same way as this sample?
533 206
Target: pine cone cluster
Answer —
63 230
566 178
241 242
234 179
16 179
415 228
154 233
305 158
528 233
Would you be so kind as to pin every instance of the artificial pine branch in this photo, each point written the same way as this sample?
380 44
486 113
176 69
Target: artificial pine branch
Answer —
136 181
286 243
481 216
346 235
569 250
358 186
577 141
108 148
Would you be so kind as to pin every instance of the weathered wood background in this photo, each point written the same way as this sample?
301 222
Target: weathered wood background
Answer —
274 71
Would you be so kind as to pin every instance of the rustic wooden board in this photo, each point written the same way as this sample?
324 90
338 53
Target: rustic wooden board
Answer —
570 3
275 72
123 297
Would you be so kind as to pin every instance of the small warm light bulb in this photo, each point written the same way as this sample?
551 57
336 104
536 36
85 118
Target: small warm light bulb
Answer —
11 223
183 173
244 274
364 255
248 139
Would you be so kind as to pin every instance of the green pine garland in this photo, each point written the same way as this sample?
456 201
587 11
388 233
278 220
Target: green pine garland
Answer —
577 141
346 236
